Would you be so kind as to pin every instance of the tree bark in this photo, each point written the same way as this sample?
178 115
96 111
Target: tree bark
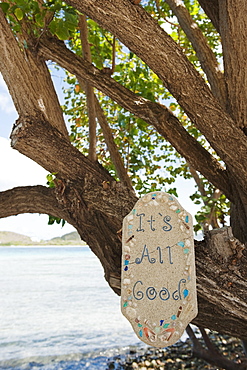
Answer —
28 79
143 35
92 154
32 199
88 197
233 25
211 8
203 51
153 113
221 267
96 206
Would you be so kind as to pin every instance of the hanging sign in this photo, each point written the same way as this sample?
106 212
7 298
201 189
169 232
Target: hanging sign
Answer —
158 269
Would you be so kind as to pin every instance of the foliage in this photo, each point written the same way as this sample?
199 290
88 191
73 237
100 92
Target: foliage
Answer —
55 16
52 182
151 162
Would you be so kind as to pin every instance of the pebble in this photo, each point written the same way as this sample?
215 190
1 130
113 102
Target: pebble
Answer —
178 356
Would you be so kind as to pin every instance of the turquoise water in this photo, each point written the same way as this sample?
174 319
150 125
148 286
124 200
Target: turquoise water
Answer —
57 311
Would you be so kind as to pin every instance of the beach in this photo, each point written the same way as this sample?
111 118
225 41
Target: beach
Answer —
58 313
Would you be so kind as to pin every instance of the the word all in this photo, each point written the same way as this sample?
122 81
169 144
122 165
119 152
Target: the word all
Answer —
146 255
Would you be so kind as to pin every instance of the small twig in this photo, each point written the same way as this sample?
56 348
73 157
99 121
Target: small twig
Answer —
113 64
89 90
211 355
196 344
211 217
111 145
207 341
198 181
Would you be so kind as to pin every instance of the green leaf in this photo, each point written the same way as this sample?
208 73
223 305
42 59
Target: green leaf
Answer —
5 7
53 26
131 55
19 14
61 31
39 20
71 20
21 3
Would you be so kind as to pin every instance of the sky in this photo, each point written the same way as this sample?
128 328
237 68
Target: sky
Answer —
18 170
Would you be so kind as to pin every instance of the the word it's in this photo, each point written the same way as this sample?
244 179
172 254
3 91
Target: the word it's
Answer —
150 220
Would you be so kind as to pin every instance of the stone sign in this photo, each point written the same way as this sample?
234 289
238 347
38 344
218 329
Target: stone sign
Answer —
158 269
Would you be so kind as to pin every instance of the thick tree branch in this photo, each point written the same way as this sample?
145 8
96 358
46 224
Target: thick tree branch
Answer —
221 282
211 8
203 51
89 90
233 25
31 199
143 35
153 113
69 164
32 136
207 340
28 76
96 210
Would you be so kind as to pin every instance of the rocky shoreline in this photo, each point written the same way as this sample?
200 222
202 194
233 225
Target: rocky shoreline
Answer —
178 356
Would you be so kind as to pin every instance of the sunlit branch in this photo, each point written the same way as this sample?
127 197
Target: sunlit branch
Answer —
153 113
234 47
113 64
89 90
31 199
203 51
142 34
26 75
114 153
107 133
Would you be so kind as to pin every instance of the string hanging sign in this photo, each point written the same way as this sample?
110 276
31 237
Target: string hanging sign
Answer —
158 269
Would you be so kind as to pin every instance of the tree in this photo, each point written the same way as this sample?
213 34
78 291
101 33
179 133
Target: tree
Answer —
123 69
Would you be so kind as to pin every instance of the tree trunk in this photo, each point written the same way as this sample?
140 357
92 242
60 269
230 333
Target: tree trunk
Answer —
96 204
87 196
239 216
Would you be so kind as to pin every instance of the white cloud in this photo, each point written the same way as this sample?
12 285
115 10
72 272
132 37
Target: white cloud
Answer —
6 103
18 170
2 83
34 225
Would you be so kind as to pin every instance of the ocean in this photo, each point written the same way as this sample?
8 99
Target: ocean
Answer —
57 312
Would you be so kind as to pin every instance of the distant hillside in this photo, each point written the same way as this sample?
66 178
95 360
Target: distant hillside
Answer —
10 238
71 238
7 237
